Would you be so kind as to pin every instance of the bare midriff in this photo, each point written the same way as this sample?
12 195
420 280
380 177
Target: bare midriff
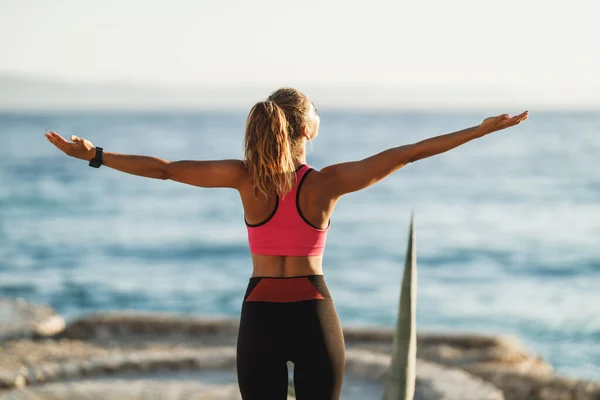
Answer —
286 266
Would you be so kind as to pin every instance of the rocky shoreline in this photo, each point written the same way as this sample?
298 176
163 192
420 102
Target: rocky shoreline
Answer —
41 356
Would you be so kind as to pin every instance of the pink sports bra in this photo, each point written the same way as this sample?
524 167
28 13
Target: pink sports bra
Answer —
286 232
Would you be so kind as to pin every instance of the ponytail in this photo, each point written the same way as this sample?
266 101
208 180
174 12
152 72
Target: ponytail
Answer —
268 150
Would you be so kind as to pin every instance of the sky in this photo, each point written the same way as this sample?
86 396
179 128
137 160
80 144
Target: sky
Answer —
525 45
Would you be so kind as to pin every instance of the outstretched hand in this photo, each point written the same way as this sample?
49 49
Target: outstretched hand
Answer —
493 124
77 147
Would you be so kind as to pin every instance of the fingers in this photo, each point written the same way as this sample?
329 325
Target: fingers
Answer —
515 120
521 117
55 137
58 141
51 138
58 137
524 116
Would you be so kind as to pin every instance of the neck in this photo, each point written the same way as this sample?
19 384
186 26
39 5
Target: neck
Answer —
299 161
300 156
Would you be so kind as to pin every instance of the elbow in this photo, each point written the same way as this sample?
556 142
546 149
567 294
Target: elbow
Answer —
412 154
164 175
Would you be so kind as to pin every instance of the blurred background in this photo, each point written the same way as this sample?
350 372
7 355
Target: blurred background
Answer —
508 226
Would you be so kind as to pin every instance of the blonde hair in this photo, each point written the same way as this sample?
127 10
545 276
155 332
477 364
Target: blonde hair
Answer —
273 134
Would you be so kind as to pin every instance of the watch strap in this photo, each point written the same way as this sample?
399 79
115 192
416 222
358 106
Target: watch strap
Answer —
96 162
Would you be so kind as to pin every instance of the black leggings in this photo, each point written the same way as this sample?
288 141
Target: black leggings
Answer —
289 319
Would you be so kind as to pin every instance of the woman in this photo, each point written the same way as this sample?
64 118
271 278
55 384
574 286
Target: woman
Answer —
287 313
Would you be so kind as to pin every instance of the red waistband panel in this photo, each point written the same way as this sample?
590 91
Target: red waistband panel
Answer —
274 290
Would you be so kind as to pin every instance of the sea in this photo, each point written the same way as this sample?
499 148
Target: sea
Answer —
507 226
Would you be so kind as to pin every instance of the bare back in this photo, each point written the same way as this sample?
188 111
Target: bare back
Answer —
316 208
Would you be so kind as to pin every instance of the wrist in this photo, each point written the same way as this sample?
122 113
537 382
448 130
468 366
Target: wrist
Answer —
91 154
481 131
97 161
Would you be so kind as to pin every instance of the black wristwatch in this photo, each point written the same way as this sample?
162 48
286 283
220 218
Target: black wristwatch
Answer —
96 162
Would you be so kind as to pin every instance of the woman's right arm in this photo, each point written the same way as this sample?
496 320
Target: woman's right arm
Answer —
217 173
353 176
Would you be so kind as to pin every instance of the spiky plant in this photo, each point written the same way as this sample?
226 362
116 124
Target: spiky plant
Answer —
400 383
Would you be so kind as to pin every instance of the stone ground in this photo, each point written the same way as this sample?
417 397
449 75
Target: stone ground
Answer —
156 356
221 384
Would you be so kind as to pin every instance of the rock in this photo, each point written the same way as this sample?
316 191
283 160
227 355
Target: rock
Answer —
19 319
113 345
110 325
7 380
50 326
434 382
69 370
142 388
20 381
501 361
50 371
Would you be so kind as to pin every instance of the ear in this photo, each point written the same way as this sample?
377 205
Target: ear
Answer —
305 133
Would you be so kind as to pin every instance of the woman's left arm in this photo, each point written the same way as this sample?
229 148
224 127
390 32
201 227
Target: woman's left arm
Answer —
217 173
